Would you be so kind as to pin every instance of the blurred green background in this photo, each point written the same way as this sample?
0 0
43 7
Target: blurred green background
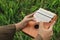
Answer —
13 11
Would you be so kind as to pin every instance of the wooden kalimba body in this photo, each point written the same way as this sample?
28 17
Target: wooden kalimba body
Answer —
40 15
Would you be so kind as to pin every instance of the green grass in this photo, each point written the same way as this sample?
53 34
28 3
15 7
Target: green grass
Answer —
13 11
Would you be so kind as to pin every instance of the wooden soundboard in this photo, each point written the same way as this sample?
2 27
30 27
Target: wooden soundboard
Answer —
31 28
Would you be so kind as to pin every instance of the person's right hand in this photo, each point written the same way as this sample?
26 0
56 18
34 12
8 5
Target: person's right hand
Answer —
45 34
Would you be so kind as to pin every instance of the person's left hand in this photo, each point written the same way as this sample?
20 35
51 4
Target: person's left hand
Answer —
24 22
46 34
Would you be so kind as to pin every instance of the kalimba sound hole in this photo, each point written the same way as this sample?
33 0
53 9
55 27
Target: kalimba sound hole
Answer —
36 26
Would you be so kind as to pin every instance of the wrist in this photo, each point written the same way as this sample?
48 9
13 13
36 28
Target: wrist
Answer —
20 25
17 26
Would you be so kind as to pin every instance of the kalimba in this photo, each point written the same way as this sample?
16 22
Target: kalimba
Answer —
40 15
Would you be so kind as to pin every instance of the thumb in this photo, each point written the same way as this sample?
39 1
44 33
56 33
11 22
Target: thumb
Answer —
41 25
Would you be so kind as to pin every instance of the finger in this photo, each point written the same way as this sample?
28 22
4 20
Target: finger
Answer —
31 19
30 15
51 27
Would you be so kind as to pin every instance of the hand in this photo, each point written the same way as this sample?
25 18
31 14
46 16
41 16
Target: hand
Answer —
24 22
45 33
28 18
